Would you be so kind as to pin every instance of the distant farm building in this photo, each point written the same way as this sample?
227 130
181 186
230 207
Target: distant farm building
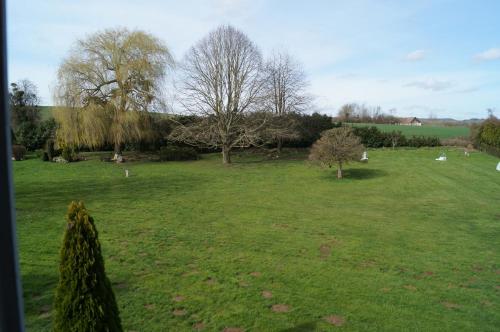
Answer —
410 122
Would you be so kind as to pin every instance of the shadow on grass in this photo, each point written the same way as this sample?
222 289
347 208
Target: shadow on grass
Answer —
357 173
39 290
309 326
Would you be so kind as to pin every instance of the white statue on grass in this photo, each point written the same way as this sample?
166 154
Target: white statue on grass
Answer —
498 166
442 157
364 157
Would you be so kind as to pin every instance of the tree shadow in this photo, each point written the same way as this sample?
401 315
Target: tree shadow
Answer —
363 173
356 174
308 326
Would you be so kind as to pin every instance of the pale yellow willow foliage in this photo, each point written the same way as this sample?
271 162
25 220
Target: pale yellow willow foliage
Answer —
108 86
83 126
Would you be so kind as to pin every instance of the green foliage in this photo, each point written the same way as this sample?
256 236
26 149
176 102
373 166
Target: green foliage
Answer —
18 152
425 130
372 137
177 153
486 136
69 154
421 141
309 128
84 299
26 125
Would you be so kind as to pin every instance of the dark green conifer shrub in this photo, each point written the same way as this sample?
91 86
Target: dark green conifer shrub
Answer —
84 299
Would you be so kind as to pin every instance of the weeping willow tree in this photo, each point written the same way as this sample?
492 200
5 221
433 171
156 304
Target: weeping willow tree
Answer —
107 87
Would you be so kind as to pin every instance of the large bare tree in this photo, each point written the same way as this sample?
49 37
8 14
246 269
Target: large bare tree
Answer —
285 87
222 83
336 146
107 85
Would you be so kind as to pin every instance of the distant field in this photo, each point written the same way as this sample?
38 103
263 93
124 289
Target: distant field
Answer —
46 112
425 130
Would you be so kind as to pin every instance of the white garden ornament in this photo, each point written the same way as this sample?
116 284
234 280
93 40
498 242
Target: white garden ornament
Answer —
365 156
442 157
498 166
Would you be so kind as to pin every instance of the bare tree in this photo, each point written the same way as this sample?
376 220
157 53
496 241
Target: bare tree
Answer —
222 84
24 93
336 146
285 88
107 85
347 112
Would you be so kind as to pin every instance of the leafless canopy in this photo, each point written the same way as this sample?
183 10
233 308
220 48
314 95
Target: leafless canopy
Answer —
108 79
285 87
336 146
223 84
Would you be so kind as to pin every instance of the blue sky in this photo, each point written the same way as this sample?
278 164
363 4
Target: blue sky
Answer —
421 57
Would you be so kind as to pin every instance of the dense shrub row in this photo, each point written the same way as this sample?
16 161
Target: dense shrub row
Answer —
486 136
309 128
372 137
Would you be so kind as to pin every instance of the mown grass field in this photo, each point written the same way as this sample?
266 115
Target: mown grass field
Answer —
403 243
424 130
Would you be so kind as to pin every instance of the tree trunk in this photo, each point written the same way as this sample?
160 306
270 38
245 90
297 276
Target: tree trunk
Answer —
117 156
226 155
339 171
118 149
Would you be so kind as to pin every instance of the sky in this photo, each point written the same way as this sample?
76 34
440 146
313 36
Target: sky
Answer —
422 58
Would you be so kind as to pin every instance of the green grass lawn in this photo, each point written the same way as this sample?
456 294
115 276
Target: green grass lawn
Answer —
424 130
403 243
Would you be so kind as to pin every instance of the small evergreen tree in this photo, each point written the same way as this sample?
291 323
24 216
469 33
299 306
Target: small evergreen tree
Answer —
84 299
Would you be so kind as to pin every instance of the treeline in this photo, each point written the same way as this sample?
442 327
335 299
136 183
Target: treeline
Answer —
356 113
307 129
486 136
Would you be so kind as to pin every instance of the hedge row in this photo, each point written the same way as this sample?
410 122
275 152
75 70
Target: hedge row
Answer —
372 137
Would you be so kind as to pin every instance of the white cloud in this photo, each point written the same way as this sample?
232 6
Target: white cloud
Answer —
491 54
416 55
431 84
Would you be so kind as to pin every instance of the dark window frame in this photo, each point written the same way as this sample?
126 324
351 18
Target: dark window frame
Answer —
11 303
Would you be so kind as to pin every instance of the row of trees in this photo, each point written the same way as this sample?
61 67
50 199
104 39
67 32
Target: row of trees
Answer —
113 80
27 127
356 113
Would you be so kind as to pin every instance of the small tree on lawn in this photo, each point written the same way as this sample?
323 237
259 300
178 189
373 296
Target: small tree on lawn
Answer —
336 146
84 299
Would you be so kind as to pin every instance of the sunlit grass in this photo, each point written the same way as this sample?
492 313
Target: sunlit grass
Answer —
402 243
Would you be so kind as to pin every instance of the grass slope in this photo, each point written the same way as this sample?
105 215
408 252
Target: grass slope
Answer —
403 243
425 130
